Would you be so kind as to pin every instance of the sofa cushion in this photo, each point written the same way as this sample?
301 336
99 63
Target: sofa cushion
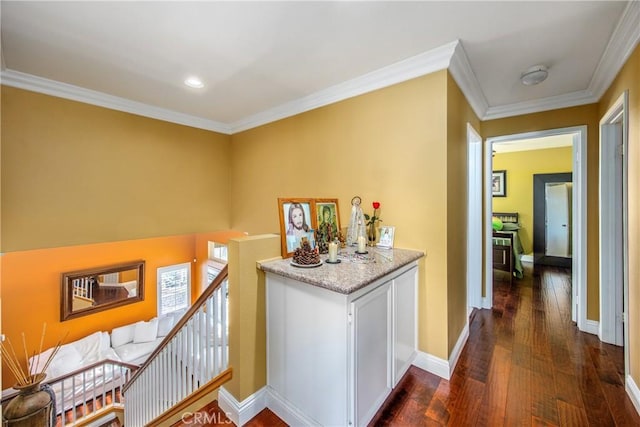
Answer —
133 351
165 324
66 360
145 331
122 335
89 348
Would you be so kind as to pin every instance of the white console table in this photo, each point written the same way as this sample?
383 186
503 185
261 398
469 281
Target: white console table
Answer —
340 336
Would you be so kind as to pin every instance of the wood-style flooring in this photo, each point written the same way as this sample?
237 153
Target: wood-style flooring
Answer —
525 364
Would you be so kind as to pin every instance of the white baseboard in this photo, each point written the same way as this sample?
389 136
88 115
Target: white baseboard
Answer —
440 367
633 392
241 412
287 412
591 327
526 258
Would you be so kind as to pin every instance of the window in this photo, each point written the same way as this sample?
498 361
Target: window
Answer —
216 262
174 288
218 252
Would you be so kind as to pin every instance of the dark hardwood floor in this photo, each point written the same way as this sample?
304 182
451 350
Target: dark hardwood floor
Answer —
525 364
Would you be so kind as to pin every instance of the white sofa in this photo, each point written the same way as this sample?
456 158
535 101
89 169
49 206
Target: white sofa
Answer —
134 343
131 343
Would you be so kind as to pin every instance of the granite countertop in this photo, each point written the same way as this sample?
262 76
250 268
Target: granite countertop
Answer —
354 271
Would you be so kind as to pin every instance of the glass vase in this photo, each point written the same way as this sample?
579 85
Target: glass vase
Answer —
372 234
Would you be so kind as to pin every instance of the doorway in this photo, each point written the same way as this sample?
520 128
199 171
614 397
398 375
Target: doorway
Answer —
613 227
552 201
578 215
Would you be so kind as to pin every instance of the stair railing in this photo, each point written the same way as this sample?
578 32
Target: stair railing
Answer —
192 360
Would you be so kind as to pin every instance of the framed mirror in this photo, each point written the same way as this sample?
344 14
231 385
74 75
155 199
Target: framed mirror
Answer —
92 290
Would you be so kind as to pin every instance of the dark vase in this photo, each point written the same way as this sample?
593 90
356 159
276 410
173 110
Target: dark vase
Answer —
372 234
32 406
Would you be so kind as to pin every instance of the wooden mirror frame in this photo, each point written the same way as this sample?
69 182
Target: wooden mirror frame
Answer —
66 288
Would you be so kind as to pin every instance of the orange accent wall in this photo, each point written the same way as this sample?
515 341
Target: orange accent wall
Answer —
31 285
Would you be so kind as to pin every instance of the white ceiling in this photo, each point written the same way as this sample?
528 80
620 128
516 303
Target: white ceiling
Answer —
528 144
262 61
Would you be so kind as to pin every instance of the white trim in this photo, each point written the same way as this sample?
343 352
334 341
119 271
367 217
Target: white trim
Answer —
440 367
623 41
241 412
432 364
579 270
526 258
474 219
452 56
463 74
76 93
633 392
544 104
410 68
487 300
613 250
591 326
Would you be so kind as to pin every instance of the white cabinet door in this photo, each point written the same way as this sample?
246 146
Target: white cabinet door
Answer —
371 355
404 326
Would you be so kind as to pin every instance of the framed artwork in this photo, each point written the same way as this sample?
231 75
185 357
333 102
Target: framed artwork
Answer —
327 219
499 183
297 221
387 233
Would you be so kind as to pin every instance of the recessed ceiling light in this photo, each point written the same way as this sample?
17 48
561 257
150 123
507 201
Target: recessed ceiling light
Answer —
534 75
194 82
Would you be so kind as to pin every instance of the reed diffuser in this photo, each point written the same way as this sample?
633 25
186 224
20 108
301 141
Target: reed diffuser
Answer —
24 374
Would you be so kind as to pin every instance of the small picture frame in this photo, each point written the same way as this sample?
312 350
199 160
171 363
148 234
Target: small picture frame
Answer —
499 183
387 234
327 220
297 221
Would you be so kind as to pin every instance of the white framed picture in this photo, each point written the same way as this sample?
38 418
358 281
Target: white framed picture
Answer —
387 233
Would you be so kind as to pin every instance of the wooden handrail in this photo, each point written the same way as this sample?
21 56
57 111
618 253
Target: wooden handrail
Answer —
215 284
179 407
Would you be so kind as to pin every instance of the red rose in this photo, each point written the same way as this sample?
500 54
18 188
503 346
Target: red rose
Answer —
376 205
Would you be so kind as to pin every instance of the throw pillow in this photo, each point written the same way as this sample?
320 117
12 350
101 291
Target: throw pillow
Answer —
122 335
165 324
146 331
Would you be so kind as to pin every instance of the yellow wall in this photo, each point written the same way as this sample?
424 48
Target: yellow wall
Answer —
247 313
629 79
520 167
389 146
459 114
74 173
567 117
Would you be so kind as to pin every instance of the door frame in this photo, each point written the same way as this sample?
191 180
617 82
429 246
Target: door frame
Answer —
613 250
579 230
539 218
474 219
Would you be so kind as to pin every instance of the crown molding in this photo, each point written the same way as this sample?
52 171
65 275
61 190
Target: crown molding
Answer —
572 99
463 74
623 41
75 93
407 69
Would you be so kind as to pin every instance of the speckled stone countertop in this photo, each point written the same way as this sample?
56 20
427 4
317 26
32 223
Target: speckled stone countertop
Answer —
354 271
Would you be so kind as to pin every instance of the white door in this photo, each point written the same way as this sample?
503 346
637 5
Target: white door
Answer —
557 202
